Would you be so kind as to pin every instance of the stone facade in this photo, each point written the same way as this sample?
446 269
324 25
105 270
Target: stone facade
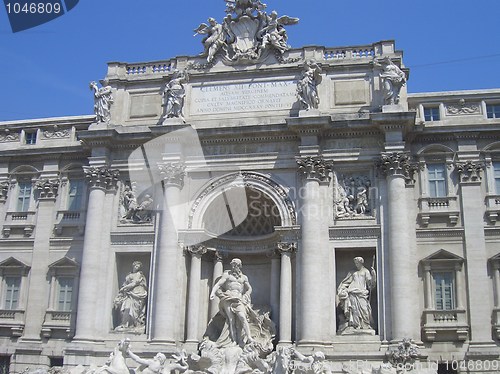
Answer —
118 226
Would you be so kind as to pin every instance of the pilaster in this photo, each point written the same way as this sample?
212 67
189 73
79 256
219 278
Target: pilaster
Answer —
38 291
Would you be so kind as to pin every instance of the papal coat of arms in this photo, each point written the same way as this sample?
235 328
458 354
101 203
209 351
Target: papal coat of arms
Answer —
247 34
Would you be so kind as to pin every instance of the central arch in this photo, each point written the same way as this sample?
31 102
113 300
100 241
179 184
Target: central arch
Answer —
266 194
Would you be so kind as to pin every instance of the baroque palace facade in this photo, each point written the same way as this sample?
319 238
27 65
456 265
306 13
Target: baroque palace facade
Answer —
294 161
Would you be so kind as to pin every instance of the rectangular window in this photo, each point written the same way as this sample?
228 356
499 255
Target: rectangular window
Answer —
444 292
30 137
431 114
75 194
24 197
493 111
4 364
437 180
11 295
496 176
64 294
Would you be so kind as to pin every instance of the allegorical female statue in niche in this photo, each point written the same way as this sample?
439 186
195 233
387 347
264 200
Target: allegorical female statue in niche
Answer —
354 299
131 300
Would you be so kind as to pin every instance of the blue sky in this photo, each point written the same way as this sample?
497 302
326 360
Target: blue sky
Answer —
45 71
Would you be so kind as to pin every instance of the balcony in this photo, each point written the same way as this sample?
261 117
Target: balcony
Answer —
70 219
493 208
58 324
23 222
436 208
445 325
13 321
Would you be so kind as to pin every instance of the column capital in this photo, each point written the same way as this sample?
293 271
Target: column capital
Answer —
4 191
286 248
314 168
101 177
172 173
196 250
397 164
47 188
470 171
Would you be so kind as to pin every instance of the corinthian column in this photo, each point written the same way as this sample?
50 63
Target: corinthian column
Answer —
313 308
167 284
193 315
285 329
397 168
100 179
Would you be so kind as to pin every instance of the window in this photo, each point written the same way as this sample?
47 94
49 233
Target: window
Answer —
75 194
4 364
11 293
30 137
437 180
12 277
24 196
493 111
64 294
496 176
56 361
443 291
431 114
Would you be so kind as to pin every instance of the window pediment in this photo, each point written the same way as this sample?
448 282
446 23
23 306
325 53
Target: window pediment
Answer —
14 266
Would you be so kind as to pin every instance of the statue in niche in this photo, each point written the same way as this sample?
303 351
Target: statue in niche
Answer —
274 33
351 196
133 211
307 90
243 325
393 79
103 99
174 95
131 300
354 294
214 40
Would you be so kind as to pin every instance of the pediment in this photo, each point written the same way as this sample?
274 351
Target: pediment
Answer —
65 263
442 256
14 265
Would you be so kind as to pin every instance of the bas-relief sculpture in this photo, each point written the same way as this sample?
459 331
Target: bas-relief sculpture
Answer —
131 210
103 98
354 293
131 301
307 90
351 196
246 35
174 95
393 79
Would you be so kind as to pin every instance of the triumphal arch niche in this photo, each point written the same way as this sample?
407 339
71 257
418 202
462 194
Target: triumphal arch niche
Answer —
243 200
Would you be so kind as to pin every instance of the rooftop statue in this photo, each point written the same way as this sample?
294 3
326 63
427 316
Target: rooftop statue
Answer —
393 79
247 35
307 86
174 94
103 99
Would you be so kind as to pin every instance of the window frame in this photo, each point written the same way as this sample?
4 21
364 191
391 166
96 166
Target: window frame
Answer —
81 190
434 113
26 204
30 137
432 183
495 112
452 299
13 268
64 268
